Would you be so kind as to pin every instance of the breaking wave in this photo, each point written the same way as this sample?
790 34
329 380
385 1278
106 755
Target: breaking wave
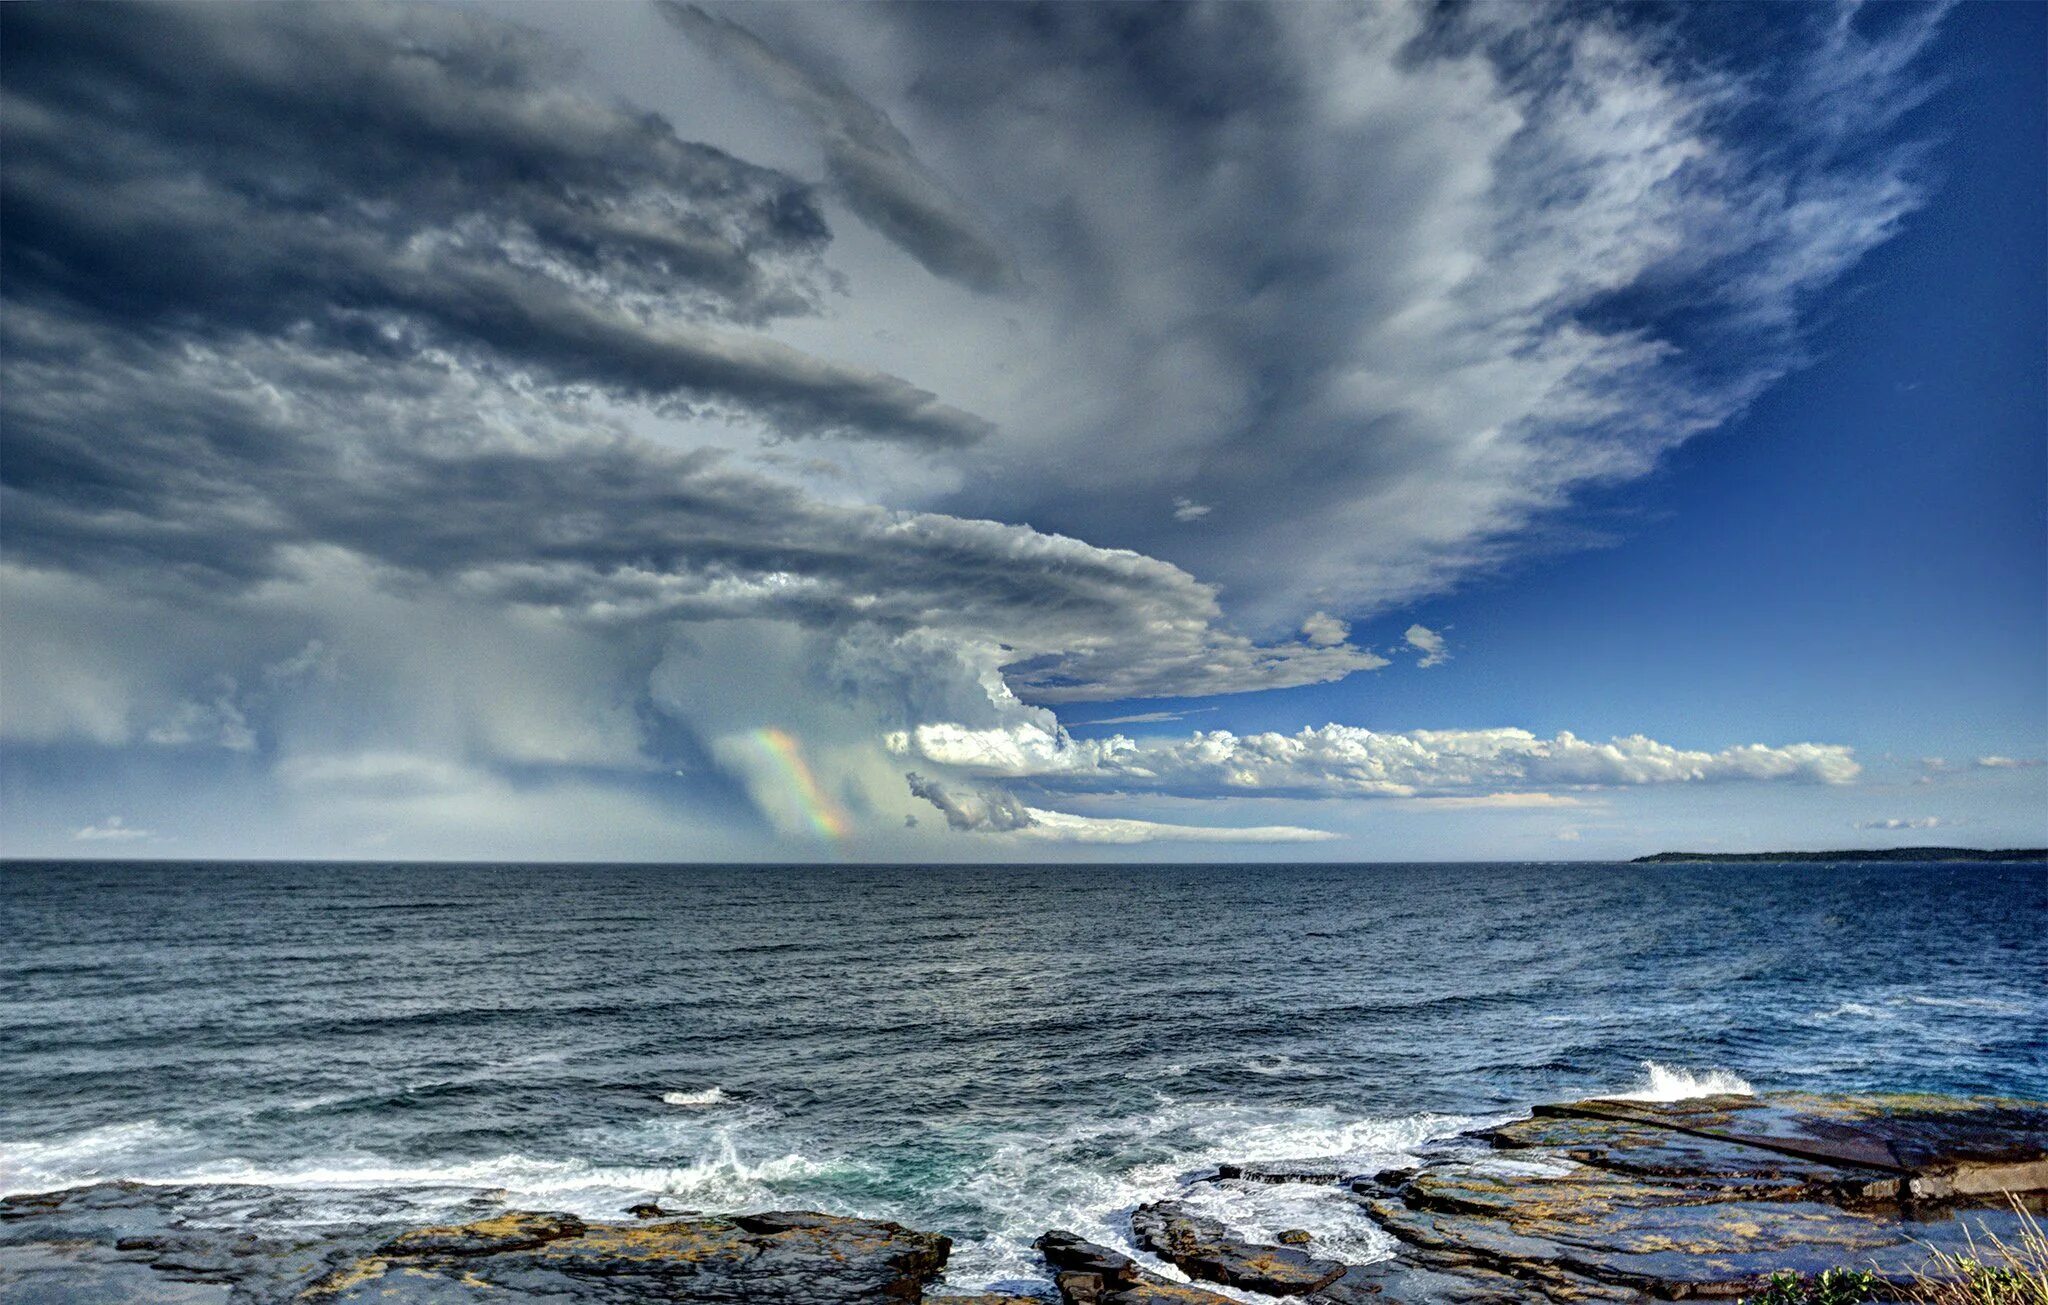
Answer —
1668 1083
710 1096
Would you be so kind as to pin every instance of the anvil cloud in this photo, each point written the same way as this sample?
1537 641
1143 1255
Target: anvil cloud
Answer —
413 420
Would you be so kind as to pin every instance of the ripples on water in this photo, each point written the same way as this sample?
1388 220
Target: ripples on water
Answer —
984 1051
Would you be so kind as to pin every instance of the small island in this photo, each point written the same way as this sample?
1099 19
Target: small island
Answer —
1871 854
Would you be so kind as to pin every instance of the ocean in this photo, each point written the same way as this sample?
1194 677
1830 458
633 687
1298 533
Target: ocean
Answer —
987 1052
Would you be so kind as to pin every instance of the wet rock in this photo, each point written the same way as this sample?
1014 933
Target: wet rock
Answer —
1709 1197
1291 1171
650 1210
1088 1274
516 1231
1207 1251
1295 1237
790 1258
1943 1148
196 1243
1069 1252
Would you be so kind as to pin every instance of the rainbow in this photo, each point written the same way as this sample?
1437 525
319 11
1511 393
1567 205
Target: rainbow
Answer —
819 809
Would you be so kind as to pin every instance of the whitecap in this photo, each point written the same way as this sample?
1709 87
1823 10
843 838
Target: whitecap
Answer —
1088 1176
1853 1010
710 1096
1669 1083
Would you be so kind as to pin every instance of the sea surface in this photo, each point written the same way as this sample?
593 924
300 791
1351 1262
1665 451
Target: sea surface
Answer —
984 1051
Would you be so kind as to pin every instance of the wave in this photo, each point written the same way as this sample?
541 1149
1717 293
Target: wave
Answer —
710 1096
1088 1176
1669 1083
723 1174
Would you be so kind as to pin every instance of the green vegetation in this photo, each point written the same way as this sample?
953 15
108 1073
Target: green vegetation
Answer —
2000 1275
1996 1274
1829 1287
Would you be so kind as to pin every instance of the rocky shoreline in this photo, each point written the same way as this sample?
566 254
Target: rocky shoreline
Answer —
1591 1200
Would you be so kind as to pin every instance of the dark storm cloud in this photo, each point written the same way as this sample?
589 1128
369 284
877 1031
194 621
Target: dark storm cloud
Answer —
218 472
870 163
386 182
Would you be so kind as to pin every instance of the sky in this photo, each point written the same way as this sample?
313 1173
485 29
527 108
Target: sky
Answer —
1007 432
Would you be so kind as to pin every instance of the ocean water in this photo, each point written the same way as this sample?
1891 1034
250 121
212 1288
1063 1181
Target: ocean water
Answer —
983 1051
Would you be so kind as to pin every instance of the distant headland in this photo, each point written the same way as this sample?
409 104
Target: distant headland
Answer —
1869 854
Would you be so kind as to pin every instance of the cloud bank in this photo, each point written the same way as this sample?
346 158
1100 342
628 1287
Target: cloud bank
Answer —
429 403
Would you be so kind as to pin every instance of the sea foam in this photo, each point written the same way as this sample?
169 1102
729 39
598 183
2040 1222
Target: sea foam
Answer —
1669 1083
710 1096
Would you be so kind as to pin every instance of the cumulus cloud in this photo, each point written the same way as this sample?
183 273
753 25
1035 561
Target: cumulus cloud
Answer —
114 829
1324 630
871 165
1349 761
1429 643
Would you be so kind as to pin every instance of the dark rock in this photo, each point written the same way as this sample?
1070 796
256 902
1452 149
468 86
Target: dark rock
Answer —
1088 1274
1295 1237
1944 1148
650 1210
1070 1252
1710 1197
517 1231
793 1258
1291 1171
1205 1250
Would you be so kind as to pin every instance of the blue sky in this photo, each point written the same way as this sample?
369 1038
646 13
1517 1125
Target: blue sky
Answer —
778 432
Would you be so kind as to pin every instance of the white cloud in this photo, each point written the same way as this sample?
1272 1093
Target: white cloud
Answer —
216 722
1185 509
1345 760
1511 801
113 829
2009 763
1491 204
1061 827
1923 822
1324 630
1429 643
986 810
1147 717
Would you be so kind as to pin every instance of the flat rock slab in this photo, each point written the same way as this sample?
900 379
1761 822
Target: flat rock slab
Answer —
120 1242
795 1258
1710 1197
1208 1252
1730 1168
1944 1147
